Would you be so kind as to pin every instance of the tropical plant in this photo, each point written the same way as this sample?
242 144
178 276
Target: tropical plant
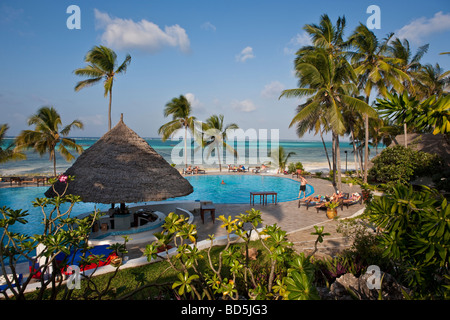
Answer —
47 136
399 164
330 82
62 235
8 153
402 109
281 158
415 234
431 81
375 69
408 63
434 115
287 276
102 64
215 135
180 110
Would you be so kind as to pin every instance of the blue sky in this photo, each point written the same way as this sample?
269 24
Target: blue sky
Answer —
228 57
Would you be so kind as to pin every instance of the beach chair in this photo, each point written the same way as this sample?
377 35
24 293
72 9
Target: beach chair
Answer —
311 203
256 170
354 199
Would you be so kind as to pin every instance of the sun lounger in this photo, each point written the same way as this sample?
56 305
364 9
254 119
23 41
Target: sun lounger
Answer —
354 199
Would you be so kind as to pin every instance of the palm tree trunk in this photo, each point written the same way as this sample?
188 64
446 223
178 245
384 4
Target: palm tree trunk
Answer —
338 162
366 146
406 133
333 155
326 151
52 157
354 151
109 108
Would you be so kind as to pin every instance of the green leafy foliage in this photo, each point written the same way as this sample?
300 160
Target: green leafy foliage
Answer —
399 164
415 234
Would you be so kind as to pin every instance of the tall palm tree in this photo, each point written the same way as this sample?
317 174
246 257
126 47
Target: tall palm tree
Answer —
432 81
46 136
215 135
329 82
315 121
408 63
180 110
8 152
375 69
102 64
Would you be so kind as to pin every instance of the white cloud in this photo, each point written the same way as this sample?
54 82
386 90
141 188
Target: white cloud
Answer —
272 90
300 40
245 54
208 26
195 103
245 105
419 29
143 35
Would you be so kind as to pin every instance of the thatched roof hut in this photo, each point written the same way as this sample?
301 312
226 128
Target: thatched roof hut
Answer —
121 167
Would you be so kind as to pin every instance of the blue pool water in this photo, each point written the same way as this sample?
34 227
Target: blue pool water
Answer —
236 189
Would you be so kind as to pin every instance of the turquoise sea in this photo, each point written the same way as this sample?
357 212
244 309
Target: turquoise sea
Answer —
310 153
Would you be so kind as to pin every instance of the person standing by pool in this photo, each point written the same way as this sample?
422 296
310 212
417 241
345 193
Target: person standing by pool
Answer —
303 183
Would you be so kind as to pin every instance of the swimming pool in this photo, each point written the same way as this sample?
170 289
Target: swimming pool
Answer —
236 189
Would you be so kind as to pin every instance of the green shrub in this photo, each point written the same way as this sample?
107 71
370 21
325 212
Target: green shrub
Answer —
400 165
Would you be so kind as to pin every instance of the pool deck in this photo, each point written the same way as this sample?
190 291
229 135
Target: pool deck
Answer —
297 222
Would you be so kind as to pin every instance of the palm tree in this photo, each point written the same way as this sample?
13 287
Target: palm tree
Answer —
375 69
399 108
432 81
46 136
102 63
215 135
8 153
329 82
281 158
409 64
180 110
315 121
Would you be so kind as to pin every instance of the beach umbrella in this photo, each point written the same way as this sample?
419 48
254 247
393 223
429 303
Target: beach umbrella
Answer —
121 167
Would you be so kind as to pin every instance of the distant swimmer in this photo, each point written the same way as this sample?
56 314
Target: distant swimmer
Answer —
222 182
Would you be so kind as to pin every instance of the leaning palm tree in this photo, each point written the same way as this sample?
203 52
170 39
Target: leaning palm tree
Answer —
329 82
8 152
46 136
375 69
102 64
315 122
215 135
180 110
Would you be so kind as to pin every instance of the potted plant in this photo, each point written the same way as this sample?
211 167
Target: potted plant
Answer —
119 249
332 209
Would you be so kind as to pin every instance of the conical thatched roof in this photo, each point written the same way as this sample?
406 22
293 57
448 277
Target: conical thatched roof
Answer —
121 167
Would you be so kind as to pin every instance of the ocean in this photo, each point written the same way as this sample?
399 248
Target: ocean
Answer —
310 153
